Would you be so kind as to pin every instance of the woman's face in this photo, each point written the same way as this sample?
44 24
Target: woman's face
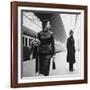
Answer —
48 25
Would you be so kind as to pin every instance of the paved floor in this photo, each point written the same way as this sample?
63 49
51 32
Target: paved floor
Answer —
61 66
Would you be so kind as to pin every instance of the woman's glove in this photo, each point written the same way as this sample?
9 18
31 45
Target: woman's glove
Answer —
36 42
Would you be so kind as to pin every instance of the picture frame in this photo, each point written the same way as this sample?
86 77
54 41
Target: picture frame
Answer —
17 8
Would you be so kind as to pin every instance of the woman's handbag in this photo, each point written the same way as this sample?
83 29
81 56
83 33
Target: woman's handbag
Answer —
53 64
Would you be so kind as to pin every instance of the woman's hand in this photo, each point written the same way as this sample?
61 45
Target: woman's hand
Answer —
36 42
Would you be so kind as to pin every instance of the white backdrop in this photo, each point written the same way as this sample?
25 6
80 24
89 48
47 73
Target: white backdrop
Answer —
5 46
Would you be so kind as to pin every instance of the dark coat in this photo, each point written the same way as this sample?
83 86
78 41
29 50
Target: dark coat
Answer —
71 50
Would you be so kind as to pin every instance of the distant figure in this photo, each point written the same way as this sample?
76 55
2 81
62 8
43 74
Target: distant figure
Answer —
71 51
46 49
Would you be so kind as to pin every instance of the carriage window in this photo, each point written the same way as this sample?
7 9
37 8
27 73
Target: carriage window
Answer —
29 42
23 41
26 42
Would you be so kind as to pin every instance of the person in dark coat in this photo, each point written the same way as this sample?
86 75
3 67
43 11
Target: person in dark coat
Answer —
71 51
46 49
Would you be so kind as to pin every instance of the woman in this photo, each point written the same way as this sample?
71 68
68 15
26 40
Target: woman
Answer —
46 49
71 51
